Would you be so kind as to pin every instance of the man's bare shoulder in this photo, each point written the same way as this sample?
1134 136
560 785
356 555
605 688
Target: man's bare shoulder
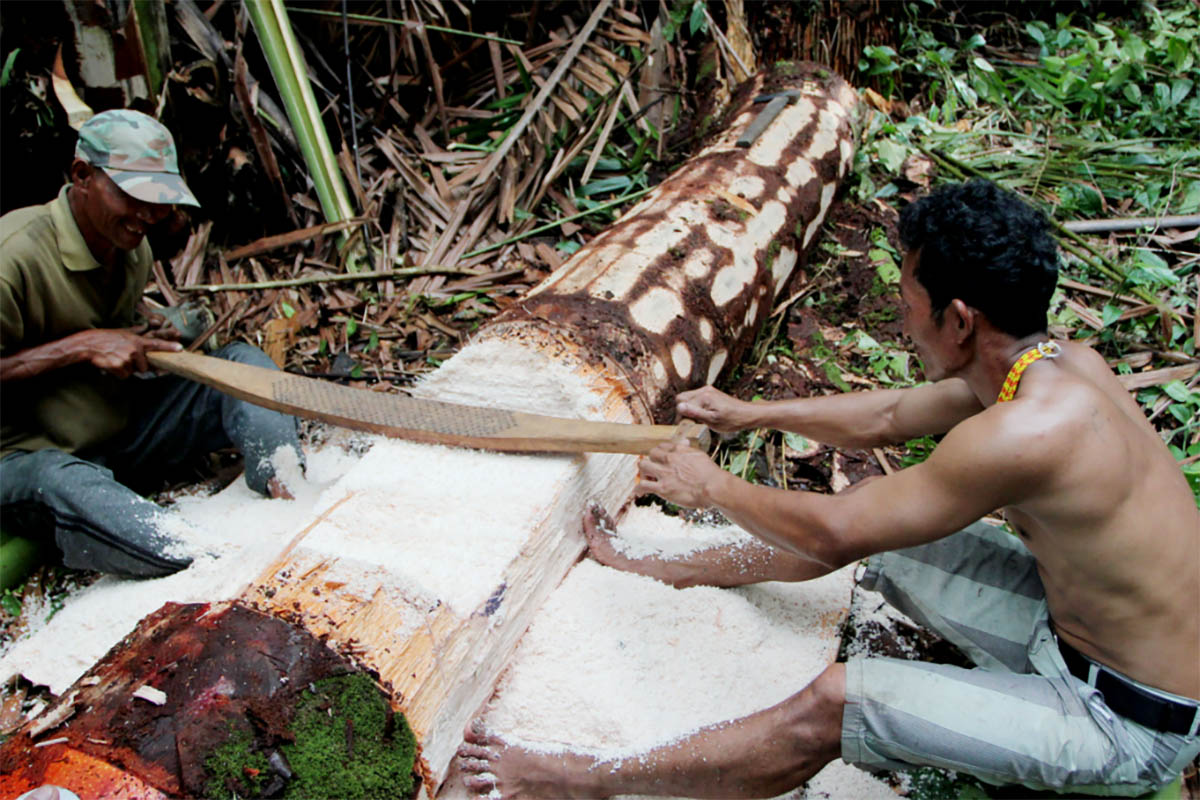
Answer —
1021 449
1008 437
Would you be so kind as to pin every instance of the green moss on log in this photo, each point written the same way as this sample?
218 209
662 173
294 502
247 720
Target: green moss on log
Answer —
349 744
235 766
345 742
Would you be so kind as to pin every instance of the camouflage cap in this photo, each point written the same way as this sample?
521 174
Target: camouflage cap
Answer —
137 152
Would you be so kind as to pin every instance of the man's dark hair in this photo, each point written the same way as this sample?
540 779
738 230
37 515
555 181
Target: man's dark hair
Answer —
987 247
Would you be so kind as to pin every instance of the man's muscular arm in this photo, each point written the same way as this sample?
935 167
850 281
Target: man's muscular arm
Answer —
119 352
976 469
856 419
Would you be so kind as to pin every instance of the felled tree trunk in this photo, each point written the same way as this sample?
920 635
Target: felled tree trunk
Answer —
678 288
664 300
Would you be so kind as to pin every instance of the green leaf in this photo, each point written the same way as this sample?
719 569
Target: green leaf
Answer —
1179 90
1182 412
796 441
372 342
1180 393
1162 95
1149 258
1081 198
614 184
10 604
1134 49
357 371
1152 276
975 41
885 266
351 327
866 343
568 246
6 75
1035 32
1190 203
834 373
697 22
983 64
287 309
891 153
1110 314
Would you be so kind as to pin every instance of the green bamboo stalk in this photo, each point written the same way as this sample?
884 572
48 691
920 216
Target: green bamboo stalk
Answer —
151 22
291 75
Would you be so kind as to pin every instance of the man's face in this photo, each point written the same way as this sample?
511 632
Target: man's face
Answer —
919 325
119 218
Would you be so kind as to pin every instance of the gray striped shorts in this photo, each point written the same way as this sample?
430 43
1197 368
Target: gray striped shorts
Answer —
1020 717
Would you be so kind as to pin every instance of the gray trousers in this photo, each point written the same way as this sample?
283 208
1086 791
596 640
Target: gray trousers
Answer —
1020 716
84 500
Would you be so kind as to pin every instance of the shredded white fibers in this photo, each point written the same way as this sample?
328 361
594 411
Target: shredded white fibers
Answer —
503 374
617 664
646 531
438 523
232 535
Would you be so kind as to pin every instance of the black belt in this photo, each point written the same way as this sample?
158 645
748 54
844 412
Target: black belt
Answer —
1128 699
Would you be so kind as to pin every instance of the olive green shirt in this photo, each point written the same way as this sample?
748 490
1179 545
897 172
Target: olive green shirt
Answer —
50 287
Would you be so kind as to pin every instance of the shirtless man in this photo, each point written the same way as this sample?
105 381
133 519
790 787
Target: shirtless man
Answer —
1085 628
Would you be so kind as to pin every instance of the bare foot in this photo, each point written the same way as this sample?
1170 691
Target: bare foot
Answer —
278 490
600 530
494 769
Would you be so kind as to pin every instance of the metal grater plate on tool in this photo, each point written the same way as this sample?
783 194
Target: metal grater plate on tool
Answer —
390 410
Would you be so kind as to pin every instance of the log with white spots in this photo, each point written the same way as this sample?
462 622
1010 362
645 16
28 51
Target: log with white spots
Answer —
677 289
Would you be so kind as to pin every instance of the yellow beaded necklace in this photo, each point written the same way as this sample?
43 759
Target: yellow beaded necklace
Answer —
1040 350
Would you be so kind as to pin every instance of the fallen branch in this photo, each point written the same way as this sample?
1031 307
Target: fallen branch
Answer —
340 277
1157 377
1132 223
269 243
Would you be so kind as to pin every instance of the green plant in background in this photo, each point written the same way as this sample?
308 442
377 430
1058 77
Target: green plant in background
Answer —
1122 104
1087 116
686 12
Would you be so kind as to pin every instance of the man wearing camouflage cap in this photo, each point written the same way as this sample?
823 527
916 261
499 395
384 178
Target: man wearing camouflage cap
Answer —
76 425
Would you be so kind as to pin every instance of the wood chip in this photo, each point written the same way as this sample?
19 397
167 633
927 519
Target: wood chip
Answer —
549 256
150 695
735 200
48 742
61 712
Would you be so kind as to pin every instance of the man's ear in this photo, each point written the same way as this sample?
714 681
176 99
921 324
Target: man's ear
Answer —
962 317
81 173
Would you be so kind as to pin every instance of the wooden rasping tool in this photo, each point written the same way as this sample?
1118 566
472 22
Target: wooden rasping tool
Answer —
418 419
